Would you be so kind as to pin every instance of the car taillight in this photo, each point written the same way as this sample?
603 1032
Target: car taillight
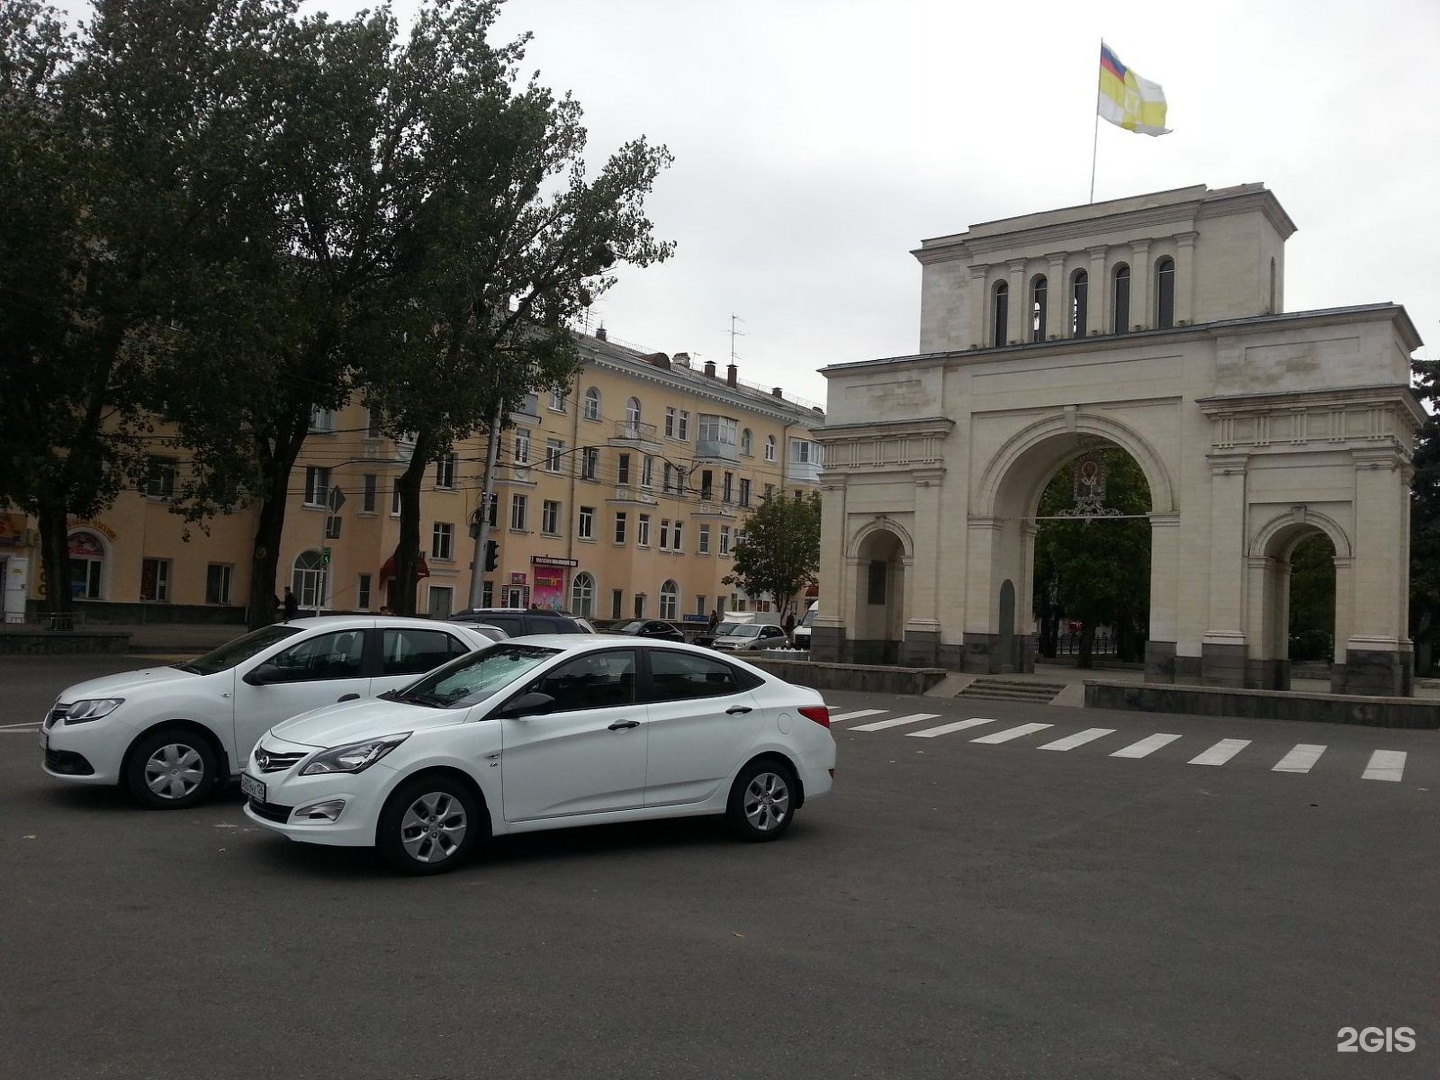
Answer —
819 713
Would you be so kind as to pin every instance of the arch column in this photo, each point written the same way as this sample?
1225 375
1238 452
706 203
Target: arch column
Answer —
1018 318
1268 617
1185 279
1164 598
827 636
1377 654
981 597
1140 271
980 311
1097 295
920 634
1223 648
1057 299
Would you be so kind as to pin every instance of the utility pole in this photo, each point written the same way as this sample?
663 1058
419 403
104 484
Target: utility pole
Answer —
482 529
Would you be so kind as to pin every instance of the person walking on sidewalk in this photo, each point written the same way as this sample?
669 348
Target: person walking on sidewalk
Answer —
292 605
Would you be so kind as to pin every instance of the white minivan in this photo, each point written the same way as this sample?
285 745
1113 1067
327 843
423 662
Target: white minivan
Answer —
800 638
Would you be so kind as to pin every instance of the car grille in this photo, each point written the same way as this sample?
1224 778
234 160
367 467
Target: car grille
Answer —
67 763
271 811
270 761
55 715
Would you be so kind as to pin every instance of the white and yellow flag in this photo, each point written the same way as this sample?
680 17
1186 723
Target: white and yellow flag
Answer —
1127 100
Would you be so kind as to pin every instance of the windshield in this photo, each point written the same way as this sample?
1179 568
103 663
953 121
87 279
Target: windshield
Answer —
631 627
242 648
745 630
725 629
809 619
473 678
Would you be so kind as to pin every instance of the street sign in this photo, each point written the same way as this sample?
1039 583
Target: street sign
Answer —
325 556
335 500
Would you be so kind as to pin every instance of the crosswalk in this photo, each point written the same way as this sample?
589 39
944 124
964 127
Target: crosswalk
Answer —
1381 765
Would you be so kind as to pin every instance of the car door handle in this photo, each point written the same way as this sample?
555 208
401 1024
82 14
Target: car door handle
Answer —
348 697
733 709
620 725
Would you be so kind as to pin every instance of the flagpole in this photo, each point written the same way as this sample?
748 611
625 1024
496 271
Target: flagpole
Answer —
1095 146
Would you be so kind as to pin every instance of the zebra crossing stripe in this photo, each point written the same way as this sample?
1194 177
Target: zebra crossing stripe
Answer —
1080 738
1301 759
1145 746
1385 765
855 715
897 721
946 729
1011 733
1221 752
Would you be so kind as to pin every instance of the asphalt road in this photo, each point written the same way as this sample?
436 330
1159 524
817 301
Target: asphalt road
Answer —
954 909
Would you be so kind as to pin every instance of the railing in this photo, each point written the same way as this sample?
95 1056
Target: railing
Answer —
635 432
54 620
1068 644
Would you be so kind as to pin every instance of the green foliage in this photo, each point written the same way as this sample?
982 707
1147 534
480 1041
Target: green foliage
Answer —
1098 571
779 551
1425 523
1312 599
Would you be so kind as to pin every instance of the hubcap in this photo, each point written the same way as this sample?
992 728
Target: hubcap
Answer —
767 802
174 771
433 828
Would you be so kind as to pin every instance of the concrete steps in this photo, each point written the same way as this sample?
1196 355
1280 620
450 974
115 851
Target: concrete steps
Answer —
999 688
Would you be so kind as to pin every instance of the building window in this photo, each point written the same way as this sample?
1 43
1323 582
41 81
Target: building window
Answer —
1079 302
317 485
332 526
769 447
675 542
586 528
1165 293
728 487
664 534
362 593
623 469
517 513
550 517
744 492
395 500
640 605
642 530
1121 312
747 443
621 519
804 452
445 472
669 421
717 433
582 595
160 478
724 539
632 413
442 541
155 579
367 499
589 463
1038 289
702 543
217 583
322 420
372 424
667 478
522 446
308 580
557 399
554 450
707 484
999 313
617 603
592 404
647 473
669 600
682 426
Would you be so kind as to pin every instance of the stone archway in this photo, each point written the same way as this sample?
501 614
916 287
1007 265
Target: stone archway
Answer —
877 591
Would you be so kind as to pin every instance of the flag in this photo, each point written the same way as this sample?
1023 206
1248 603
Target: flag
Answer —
1127 100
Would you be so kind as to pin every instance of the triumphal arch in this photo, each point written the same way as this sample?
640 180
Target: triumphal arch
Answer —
1155 324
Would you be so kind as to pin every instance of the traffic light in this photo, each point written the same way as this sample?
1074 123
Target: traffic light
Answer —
492 554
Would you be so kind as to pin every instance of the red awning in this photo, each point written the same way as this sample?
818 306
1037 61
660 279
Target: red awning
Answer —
388 570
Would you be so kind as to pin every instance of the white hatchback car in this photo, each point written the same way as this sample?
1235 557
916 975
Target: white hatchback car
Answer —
545 732
171 734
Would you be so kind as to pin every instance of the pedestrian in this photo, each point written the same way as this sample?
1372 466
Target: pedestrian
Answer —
790 625
292 605
714 621
385 610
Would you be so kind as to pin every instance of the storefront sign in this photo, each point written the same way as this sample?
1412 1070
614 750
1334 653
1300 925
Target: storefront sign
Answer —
546 560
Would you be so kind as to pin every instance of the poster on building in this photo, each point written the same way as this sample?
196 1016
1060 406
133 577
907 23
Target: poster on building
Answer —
12 530
549 591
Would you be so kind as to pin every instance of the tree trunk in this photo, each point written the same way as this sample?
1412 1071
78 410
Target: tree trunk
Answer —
55 554
1087 645
276 464
407 551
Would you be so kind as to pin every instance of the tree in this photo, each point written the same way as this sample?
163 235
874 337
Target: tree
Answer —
1097 568
779 551
1425 521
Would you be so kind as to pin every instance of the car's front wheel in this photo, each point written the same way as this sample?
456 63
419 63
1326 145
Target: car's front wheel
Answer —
762 800
171 769
429 825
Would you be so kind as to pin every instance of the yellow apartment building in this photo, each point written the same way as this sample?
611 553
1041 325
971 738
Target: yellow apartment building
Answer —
620 495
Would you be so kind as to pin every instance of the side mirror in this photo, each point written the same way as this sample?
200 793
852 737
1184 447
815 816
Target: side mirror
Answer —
531 704
261 674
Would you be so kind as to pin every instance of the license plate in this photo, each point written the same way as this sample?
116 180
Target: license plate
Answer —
255 789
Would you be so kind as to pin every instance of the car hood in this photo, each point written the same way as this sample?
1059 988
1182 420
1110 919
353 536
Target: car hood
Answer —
356 721
126 683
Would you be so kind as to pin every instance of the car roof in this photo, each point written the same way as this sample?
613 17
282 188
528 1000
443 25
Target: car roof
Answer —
362 622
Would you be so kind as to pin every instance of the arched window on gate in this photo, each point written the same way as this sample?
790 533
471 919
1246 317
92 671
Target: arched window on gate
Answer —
582 595
999 313
669 600
1165 293
1079 301
1038 289
308 579
1120 314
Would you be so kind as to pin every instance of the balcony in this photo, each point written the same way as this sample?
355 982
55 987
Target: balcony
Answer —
709 508
629 493
642 436
716 450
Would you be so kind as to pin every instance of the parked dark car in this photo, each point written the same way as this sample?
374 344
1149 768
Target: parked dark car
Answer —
650 628
518 622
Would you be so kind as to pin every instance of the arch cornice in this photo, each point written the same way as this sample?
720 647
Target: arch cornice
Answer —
1298 516
890 525
1075 421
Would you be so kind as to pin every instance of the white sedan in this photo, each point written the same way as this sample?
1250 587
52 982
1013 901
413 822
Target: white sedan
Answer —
543 733
170 734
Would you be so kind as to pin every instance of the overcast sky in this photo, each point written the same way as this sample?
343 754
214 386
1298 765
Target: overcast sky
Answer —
818 141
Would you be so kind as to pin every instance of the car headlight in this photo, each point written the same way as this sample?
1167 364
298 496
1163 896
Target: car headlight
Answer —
82 712
357 757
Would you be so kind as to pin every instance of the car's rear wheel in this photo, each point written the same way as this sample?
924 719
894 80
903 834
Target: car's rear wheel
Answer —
762 801
429 825
171 769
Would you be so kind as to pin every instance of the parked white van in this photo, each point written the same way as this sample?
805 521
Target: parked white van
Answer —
800 638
